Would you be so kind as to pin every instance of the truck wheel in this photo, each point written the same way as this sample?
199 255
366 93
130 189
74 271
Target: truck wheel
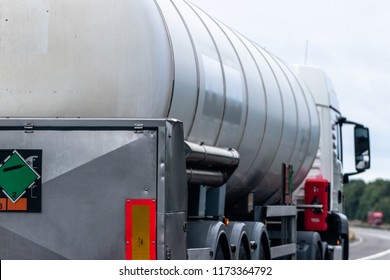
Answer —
219 253
244 253
318 254
309 245
264 253
345 246
222 252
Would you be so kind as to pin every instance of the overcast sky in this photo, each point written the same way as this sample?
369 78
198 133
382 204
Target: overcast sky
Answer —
349 39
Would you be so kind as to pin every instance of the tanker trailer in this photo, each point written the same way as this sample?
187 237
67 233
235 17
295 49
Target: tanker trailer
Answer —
149 130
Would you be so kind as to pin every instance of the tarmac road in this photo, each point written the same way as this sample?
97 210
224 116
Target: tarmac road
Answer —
370 244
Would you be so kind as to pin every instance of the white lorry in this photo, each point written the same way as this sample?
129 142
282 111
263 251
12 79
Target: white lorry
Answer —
148 130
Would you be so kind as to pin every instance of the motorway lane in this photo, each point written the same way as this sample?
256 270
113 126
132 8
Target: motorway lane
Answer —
370 244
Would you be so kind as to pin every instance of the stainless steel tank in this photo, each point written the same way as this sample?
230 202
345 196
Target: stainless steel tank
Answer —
160 58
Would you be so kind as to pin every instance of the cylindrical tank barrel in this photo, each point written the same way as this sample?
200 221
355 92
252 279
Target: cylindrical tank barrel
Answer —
206 177
160 58
210 155
209 165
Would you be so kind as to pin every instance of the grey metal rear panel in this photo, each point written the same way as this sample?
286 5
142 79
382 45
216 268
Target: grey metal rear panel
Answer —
89 169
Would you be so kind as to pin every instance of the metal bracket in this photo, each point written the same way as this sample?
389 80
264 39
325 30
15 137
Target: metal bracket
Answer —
29 128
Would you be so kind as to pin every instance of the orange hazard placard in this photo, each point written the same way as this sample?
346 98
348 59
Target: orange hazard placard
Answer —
140 229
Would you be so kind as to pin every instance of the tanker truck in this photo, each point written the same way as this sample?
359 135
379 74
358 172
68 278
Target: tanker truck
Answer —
149 130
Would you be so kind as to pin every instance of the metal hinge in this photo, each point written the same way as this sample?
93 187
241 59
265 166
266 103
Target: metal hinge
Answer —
138 128
29 128
168 254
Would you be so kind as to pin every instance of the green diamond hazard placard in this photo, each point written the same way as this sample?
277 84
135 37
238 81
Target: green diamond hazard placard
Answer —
20 180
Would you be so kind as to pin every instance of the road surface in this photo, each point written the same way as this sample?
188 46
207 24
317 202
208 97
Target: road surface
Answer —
370 244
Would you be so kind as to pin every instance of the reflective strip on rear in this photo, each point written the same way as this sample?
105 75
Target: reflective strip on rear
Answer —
141 229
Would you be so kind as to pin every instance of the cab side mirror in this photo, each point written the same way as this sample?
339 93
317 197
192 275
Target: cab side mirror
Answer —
362 148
